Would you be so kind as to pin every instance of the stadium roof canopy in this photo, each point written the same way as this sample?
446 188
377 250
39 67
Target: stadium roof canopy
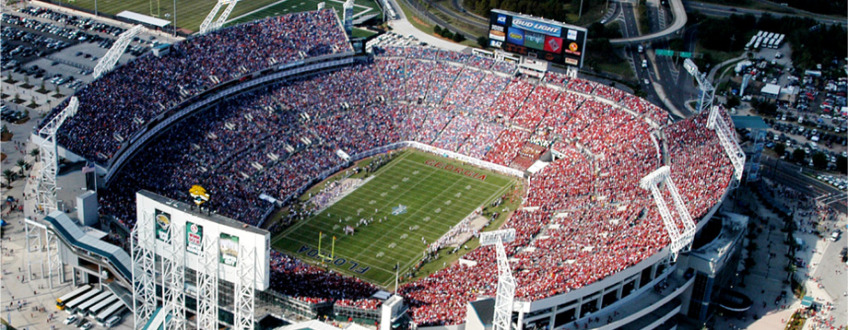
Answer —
749 122
144 19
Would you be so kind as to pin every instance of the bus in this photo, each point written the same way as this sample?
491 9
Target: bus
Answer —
60 302
101 306
115 309
70 307
83 308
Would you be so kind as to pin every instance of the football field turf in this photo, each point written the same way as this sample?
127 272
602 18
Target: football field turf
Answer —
419 195
190 13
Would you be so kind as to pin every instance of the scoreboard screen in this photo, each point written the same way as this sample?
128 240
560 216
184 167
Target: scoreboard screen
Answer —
537 37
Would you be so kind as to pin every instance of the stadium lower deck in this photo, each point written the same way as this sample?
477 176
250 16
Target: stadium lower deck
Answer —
584 217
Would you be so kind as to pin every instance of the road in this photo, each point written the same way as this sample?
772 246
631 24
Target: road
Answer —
724 11
790 174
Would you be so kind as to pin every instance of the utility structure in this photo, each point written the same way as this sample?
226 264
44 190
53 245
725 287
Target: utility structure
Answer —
207 284
717 122
506 283
107 63
45 193
209 23
707 92
679 240
142 247
34 243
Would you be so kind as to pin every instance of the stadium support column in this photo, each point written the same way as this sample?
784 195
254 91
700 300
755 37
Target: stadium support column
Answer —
348 17
143 270
173 278
54 261
207 23
727 139
679 240
506 283
107 63
207 284
245 289
33 243
45 192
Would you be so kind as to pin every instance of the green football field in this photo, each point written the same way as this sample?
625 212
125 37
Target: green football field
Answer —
190 13
416 198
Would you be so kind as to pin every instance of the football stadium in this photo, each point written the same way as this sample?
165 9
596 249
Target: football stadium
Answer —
376 170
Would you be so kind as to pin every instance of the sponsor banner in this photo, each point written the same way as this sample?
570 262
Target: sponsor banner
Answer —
497 35
571 61
572 35
163 222
515 36
228 249
534 40
498 28
573 49
194 237
534 26
495 43
553 44
501 19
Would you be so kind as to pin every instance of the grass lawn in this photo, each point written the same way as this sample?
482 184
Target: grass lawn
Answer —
408 199
276 8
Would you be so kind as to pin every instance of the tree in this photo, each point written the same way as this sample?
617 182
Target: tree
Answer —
23 165
799 154
9 176
34 153
780 149
458 37
482 41
437 29
841 164
447 34
820 160
732 101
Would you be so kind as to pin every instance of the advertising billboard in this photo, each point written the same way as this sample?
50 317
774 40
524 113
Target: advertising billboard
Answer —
231 243
194 237
537 37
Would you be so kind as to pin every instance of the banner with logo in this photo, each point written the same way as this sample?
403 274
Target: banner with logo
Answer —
194 237
538 27
163 222
228 249
515 36
553 44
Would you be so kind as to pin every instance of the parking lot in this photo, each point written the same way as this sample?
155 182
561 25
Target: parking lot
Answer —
49 54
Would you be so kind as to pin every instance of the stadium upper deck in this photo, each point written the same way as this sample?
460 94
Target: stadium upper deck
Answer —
584 219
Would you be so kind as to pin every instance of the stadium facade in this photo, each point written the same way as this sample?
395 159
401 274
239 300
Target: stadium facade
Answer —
645 288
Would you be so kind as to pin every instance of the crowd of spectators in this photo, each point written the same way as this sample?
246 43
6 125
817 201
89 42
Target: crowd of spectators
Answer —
116 106
585 217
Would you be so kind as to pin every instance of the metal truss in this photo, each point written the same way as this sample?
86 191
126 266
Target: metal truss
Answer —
207 284
727 139
143 270
506 282
173 278
707 92
45 191
53 259
210 23
679 240
34 231
245 289
107 63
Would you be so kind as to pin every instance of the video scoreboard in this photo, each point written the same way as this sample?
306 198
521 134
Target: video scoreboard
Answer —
536 37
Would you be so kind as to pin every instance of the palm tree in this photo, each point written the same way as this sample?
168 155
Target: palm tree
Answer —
34 153
23 165
9 176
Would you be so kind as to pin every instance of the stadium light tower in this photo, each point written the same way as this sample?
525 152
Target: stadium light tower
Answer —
46 188
107 63
506 283
727 139
705 100
679 240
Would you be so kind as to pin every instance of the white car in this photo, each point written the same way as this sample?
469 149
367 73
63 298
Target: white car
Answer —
71 320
